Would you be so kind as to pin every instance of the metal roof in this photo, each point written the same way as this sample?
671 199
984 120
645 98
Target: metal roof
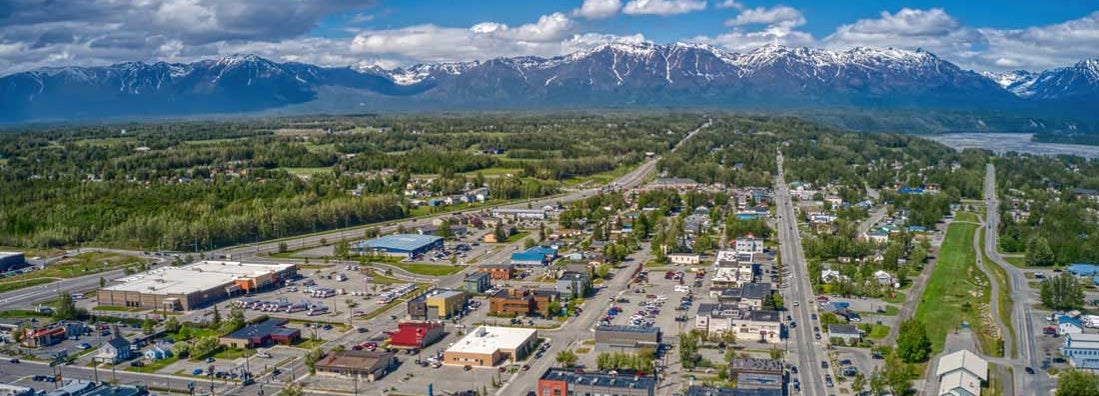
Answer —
407 242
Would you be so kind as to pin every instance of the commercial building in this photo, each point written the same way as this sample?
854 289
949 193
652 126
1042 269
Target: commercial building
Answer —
519 214
627 338
522 301
401 245
755 366
564 382
11 260
15 390
477 282
416 334
684 258
194 286
437 304
487 345
699 390
366 365
749 244
715 319
1082 350
269 332
961 374
535 256
850 334
498 271
747 296
44 336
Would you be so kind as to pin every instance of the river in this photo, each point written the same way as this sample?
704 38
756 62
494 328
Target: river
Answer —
1007 142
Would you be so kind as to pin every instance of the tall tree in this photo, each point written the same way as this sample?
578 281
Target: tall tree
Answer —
1077 383
1038 252
913 344
567 358
1062 292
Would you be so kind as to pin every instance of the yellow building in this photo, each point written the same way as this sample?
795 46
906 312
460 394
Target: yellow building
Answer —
438 304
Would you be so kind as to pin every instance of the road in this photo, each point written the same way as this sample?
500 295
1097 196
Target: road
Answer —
1023 298
158 381
804 345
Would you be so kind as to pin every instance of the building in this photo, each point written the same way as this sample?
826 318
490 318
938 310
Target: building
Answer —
120 390
158 352
535 256
684 258
15 390
748 296
194 286
115 350
498 271
1082 350
269 332
849 333
437 304
749 244
522 302
11 260
699 390
1069 325
627 338
402 245
44 336
369 366
762 382
477 282
715 319
675 183
416 334
573 284
519 214
755 366
73 388
884 278
487 345
566 382
961 374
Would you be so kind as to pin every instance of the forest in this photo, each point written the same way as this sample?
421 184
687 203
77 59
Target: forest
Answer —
201 185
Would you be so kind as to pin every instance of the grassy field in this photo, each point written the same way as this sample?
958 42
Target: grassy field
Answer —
19 284
80 265
32 252
154 366
890 310
955 290
877 332
1016 261
1004 299
306 171
517 237
493 172
429 269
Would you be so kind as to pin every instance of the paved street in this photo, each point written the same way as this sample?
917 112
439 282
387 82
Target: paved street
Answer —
802 343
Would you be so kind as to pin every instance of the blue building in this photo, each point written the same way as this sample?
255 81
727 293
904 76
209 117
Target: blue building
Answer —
402 245
477 282
1082 350
1083 269
538 255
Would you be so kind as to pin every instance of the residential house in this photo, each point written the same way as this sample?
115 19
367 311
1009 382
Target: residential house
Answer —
1069 325
115 350
884 278
961 374
749 244
830 275
158 352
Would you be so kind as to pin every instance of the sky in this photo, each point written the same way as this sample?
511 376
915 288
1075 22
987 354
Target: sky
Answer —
983 35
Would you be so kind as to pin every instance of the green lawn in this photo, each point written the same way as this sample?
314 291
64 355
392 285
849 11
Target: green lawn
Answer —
517 237
897 298
306 171
877 332
19 284
890 310
429 269
154 366
1004 299
494 171
80 265
1017 261
950 297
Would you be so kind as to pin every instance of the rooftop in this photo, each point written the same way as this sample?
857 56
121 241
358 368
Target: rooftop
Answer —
363 359
599 379
629 329
489 339
440 293
401 241
756 364
268 327
696 390
201 276
9 254
963 359
843 329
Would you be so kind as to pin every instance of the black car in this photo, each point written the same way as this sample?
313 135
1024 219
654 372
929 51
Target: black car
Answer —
823 364
1029 370
14 360
794 369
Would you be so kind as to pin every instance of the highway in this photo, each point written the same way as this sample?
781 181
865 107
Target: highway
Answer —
1023 298
803 344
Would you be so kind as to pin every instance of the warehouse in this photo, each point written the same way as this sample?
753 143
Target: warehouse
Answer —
194 286
11 260
401 245
487 345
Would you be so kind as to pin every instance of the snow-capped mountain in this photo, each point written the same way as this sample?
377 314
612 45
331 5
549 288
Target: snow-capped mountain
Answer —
611 75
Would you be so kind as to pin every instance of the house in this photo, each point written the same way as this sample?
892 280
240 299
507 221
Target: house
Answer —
535 256
849 333
416 334
884 278
961 374
366 365
477 282
1069 325
830 275
876 236
158 352
573 284
1082 350
115 350
684 258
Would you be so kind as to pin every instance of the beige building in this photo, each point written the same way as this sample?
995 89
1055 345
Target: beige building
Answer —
684 258
487 345
193 286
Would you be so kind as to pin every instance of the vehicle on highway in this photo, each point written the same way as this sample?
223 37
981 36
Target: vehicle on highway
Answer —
14 361
1029 370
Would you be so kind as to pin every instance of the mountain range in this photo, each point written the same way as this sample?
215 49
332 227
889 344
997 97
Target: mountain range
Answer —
634 75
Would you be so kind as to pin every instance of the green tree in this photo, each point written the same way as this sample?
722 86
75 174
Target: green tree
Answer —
66 308
283 247
181 349
553 308
688 349
102 282
603 271
444 230
293 389
567 358
204 346
898 376
877 382
171 325
913 344
311 359
1038 252
1062 292
1077 383
148 326
216 318
858 384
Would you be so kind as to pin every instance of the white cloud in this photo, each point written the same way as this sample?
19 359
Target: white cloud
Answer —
730 4
1042 47
778 15
360 18
741 41
663 7
598 9
933 30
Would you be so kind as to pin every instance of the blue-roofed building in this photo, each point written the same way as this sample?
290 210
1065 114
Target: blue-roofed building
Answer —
402 245
910 190
1069 325
1083 269
537 255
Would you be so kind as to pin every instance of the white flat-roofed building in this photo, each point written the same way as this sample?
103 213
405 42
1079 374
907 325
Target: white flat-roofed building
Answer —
487 345
192 286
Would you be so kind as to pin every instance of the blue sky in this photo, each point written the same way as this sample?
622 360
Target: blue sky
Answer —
976 34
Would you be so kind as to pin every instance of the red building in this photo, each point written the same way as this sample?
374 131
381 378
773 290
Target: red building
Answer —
416 334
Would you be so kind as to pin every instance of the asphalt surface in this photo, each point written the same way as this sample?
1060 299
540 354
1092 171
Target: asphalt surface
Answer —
23 371
802 343
1023 298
